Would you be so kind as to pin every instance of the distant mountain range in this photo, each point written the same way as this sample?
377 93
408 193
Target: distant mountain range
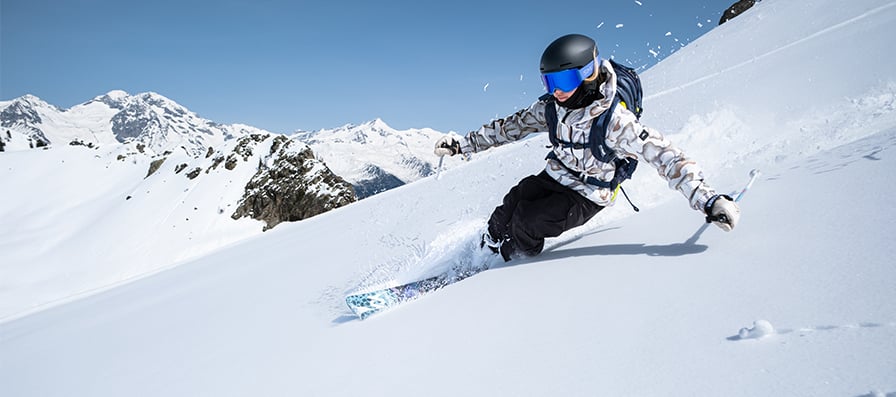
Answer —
156 122
374 157
371 157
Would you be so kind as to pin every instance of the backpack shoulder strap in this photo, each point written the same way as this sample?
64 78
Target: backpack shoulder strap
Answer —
550 115
598 135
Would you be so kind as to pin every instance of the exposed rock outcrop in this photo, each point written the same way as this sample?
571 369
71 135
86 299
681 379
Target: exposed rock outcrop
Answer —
736 9
291 185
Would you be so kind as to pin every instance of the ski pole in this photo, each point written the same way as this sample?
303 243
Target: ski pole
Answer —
439 168
753 175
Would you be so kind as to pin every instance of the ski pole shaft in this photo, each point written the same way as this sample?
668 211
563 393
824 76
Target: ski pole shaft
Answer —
439 168
753 175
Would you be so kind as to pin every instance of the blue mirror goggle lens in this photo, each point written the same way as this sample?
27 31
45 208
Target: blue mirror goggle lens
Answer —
567 80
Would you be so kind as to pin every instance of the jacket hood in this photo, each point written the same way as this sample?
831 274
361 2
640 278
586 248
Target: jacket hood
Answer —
605 90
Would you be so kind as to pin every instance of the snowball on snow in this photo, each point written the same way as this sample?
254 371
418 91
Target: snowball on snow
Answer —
761 328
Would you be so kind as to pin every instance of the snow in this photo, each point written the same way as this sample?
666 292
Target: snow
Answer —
760 329
799 300
92 122
91 220
351 149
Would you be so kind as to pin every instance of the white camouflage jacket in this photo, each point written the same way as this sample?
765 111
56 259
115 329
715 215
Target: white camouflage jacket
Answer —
625 135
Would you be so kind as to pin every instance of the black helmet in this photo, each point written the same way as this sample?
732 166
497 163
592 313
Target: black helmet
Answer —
567 52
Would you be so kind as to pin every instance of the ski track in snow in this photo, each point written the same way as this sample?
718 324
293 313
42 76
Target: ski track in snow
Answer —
878 394
752 333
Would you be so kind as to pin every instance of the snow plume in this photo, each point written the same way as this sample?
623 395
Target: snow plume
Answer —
454 248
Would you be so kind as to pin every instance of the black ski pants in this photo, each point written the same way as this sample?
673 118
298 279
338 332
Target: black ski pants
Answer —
536 208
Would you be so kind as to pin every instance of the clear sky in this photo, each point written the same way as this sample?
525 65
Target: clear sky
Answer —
290 65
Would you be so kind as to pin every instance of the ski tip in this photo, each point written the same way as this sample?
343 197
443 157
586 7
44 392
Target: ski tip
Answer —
356 307
367 304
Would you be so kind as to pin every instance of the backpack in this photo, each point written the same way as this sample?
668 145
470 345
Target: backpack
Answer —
628 94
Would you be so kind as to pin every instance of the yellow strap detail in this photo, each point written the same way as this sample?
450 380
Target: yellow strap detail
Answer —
616 192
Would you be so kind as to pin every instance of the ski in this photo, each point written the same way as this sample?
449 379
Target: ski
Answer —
366 304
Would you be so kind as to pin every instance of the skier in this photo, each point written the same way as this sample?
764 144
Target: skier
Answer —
576 183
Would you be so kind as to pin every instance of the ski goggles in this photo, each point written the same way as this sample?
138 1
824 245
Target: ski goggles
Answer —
567 80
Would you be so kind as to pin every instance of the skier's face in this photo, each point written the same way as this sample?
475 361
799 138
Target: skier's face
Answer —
562 96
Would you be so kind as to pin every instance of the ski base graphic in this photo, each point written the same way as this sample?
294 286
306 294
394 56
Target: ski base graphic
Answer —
366 304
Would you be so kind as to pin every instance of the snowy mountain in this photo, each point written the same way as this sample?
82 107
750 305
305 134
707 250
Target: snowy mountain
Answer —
374 157
165 184
202 180
24 116
799 300
290 183
96 216
152 120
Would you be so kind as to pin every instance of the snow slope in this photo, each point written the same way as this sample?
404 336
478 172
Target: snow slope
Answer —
643 305
108 222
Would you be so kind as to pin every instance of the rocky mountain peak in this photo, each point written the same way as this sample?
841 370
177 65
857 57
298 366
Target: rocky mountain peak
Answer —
149 119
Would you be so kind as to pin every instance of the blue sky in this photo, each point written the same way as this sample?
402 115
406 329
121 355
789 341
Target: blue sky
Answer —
290 65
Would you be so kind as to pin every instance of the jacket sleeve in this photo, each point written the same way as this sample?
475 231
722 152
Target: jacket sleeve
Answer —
511 128
631 139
